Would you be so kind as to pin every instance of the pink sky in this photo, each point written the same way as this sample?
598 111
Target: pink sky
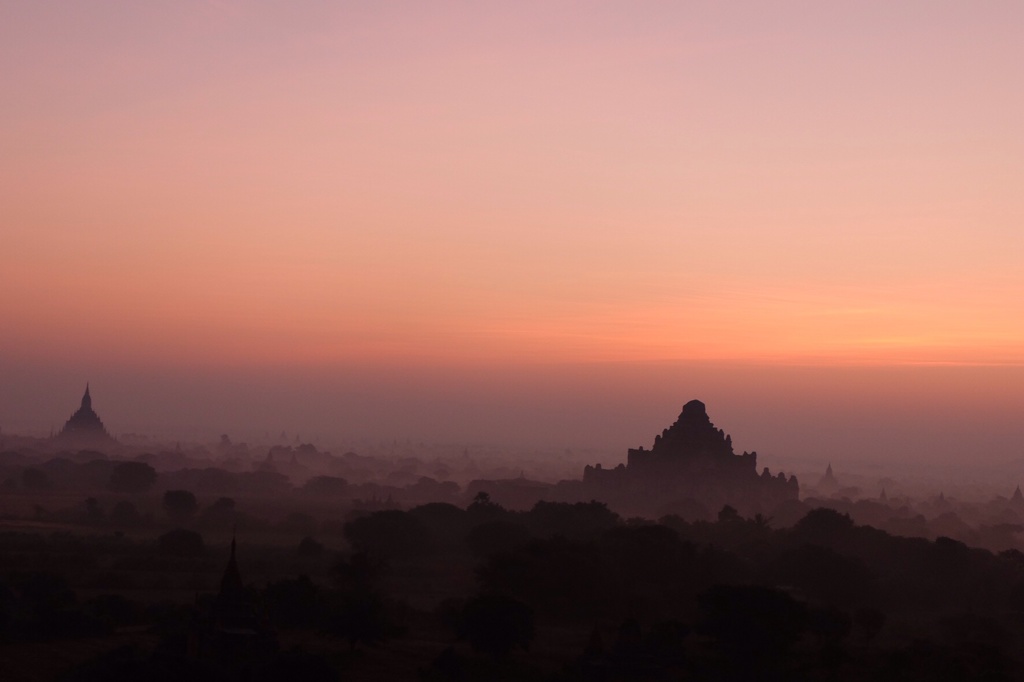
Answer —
461 189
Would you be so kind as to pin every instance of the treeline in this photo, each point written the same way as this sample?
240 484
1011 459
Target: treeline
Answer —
823 598
730 599
105 477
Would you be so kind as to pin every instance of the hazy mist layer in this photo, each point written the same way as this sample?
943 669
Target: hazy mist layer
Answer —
853 416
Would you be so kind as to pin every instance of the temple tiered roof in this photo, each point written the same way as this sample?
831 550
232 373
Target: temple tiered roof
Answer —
691 461
85 424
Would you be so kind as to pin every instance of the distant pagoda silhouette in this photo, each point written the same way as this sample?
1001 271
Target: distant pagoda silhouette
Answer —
232 627
691 460
85 427
828 483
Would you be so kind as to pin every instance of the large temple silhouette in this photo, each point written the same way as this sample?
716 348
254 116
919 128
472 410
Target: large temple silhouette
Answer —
85 428
690 462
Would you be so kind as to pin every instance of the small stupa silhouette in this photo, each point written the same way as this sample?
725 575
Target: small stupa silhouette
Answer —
828 482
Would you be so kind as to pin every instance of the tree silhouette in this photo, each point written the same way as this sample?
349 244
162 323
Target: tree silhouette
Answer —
297 665
822 574
483 509
328 486
556 576
308 547
219 514
180 505
132 477
727 514
869 622
182 543
125 513
362 618
824 526
755 627
34 479
294 603
357 610
93 511
390 533
492 537
496 624
582 520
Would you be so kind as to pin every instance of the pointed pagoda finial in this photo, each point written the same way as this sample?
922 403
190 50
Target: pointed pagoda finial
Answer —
231 583
86 398
1017 496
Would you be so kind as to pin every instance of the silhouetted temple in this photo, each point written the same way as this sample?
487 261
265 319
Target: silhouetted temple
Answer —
828 483
84 427
232 627
691 463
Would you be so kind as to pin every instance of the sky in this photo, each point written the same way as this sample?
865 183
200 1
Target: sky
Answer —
530 222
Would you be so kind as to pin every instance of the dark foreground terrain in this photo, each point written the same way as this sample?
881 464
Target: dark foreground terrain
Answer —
445 592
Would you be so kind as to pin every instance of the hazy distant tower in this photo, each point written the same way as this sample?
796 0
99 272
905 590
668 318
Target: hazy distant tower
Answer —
85 427
828 483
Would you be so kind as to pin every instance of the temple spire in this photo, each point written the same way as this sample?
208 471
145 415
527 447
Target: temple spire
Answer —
85 427
231 583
